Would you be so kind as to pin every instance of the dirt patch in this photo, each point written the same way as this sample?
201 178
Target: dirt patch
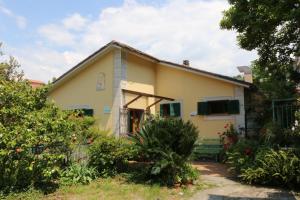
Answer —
212 169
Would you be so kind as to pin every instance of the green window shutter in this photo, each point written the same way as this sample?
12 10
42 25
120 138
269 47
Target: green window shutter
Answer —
165 110
88 112
202 108
233 107
175 110
161 110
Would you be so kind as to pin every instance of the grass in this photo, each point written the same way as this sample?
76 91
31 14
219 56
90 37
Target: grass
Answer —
112 189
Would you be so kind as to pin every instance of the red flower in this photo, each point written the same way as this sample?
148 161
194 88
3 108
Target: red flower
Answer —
248 151
226 146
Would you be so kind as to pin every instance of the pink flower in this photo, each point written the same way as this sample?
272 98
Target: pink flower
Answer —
18 150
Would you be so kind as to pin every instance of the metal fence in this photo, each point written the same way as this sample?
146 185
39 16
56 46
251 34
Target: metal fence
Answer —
80 154
284 115
283 111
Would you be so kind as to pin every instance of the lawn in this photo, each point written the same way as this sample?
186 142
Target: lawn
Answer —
113 189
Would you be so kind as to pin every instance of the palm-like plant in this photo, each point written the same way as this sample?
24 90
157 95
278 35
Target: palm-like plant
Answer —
168 144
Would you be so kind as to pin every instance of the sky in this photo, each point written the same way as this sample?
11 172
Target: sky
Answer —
49 37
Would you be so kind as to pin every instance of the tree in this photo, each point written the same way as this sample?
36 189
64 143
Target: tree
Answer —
9 68
272 27
35 135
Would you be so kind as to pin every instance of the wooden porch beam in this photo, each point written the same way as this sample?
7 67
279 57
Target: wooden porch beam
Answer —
133 100
146 94
156 102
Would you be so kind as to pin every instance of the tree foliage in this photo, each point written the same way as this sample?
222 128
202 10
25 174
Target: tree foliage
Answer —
9 68
35 135
272 28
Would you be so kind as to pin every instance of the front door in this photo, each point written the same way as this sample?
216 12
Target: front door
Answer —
135 119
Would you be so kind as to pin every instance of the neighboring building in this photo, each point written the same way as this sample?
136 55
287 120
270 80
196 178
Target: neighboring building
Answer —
119 84
36 83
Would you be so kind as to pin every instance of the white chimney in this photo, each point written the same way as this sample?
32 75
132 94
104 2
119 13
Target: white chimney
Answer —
247 73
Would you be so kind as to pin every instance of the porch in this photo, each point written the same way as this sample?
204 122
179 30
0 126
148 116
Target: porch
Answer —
131 116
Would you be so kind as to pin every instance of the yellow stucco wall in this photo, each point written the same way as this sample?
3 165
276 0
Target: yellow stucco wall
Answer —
147 77
141 77
189 88
185 87
81 90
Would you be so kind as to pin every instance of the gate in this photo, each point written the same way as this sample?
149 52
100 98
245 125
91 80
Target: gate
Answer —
123 121
283 111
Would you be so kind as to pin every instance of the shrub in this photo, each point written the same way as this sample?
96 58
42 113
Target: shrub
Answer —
274 168
241 155
229 137
78 174
109 154
167 144
85 131
35 136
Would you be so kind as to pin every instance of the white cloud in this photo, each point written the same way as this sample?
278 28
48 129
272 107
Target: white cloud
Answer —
20 20
57 34
174 30
44 64
75 22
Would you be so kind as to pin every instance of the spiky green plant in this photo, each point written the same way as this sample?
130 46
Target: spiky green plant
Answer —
167 143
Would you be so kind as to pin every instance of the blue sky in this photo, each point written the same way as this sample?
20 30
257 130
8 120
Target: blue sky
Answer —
50 36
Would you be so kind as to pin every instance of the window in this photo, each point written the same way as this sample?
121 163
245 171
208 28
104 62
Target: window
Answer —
87 112
219 107
170 110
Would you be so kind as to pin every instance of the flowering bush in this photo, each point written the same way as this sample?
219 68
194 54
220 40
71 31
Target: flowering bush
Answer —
229 136
240 155
273 167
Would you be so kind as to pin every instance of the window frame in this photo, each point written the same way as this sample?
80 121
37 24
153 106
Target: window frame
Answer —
171 102
230 105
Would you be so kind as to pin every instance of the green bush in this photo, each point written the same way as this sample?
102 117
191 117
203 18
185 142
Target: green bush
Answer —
241 155
78 174
167 143
85 132
272 167
35 136
109 155
258 164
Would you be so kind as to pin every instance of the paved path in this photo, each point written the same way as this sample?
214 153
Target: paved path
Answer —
226 188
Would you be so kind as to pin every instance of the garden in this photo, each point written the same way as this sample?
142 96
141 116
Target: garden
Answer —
272 159
48 153
39 142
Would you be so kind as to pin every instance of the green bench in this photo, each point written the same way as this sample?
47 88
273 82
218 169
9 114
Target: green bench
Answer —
208 148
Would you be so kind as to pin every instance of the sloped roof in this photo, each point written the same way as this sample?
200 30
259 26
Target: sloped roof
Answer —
154 59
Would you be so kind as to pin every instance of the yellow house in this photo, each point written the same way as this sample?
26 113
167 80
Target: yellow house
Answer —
118 84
